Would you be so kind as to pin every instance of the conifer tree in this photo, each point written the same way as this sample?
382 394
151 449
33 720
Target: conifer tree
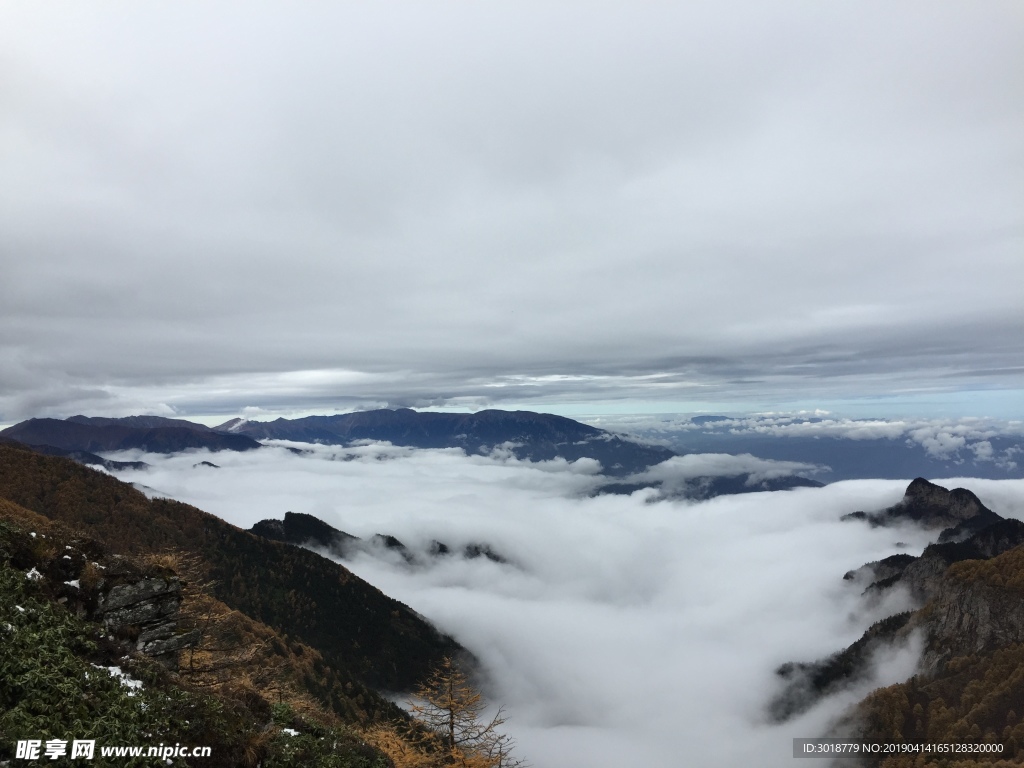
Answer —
452 710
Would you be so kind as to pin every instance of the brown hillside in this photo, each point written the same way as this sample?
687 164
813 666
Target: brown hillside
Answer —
973 691
369 638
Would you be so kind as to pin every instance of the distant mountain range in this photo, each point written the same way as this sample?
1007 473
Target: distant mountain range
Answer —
527 435
524 435
147 433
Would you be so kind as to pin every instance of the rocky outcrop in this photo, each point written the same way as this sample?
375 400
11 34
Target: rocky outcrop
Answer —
969 588
932 506
974 533
976 606
960 616
137 606
971 618
923 575
880 570
145 611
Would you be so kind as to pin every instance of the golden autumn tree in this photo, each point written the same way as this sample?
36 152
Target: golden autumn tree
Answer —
452 710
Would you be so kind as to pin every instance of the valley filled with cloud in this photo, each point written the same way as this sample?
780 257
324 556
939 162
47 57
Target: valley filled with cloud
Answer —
618 631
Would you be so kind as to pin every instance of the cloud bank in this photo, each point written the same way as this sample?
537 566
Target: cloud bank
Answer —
679 469
951 440
622 633
205 207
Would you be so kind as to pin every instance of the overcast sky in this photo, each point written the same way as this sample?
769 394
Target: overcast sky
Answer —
212 207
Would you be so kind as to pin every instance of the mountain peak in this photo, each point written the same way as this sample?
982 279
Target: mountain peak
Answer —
932 506
929 503
232 425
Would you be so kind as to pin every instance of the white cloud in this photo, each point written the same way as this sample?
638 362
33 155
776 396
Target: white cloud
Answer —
941 438
938 442
982 451
850 429
677 470
627 633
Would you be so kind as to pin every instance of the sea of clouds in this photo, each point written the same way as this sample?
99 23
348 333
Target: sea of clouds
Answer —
621 632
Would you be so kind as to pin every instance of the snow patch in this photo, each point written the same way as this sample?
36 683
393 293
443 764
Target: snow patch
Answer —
123 677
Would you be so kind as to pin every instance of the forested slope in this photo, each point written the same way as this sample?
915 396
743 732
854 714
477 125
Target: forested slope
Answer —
369 638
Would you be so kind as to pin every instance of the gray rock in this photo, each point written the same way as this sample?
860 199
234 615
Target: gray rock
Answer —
158 632
880 569
165 650
147 609
144 612
930 506
138 591
967 618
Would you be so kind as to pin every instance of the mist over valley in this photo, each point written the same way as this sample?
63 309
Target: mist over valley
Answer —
617 628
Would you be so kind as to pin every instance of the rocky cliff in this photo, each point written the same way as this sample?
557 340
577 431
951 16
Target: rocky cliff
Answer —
931 506
968 586
976 607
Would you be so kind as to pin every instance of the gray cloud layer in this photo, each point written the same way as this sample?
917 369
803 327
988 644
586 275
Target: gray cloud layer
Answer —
205 207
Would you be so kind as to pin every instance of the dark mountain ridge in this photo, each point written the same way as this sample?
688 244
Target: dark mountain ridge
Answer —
139 422
82 457
84 434
527 435
303 530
